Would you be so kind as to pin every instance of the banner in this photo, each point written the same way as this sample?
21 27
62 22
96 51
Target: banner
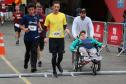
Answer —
115 34
11 1
99 30
125 38
116 8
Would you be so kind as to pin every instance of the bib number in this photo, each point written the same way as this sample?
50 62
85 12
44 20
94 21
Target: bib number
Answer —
32 28
56 34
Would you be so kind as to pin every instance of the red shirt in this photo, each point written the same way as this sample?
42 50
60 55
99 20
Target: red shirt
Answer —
2 6
42 19
17 16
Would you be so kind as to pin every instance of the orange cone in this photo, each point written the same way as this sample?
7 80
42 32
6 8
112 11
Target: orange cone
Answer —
2 51
2 48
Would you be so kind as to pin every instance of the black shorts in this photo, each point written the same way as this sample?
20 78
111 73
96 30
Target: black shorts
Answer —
17 29
41 43
56 45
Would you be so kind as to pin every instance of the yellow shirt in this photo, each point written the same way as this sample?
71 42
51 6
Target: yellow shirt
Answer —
55 23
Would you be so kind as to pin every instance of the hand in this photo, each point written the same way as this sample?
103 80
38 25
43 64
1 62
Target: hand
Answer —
103 46
46 40
12 18
40 29
26 30
67 31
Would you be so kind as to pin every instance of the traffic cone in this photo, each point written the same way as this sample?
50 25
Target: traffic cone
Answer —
2 48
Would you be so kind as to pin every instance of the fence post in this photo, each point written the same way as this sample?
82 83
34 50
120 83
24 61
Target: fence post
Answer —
124 42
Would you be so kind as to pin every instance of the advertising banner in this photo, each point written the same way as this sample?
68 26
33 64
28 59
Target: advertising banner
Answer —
99 30
115 34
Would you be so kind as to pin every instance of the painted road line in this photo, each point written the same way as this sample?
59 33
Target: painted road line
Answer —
2 54
15 70
72 74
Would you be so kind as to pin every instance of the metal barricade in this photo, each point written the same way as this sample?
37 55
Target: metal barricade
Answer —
124 42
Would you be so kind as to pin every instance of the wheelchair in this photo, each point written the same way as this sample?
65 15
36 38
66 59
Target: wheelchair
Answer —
79 60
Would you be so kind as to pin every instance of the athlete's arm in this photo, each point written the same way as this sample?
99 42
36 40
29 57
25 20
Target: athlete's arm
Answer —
22 23
40 27
74 26
64 26
23 28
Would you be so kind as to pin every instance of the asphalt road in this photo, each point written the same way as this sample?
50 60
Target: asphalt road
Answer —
12 63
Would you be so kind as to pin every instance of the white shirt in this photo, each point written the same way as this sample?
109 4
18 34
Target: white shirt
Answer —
79 25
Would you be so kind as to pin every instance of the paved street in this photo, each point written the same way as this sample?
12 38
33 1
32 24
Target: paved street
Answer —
15 57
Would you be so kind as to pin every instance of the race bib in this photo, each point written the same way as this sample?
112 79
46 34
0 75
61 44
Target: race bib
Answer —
32 28
57 34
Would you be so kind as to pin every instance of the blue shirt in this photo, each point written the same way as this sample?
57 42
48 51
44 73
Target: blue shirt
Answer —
88 43
30 22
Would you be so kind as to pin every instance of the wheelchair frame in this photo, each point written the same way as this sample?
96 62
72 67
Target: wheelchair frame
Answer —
79 62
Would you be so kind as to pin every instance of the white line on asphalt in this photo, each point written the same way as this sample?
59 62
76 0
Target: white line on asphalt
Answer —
73 74
16 71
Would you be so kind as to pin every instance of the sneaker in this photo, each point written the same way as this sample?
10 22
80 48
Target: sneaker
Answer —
25 66
60 68
55 74
39 64
2 22
17 42
33 70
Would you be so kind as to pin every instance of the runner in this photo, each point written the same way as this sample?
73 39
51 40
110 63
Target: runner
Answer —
29 24
41 15
17 16
56 24
2 11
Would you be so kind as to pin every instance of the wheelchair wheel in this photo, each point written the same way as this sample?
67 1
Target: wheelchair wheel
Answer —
94 69
76 63
96 66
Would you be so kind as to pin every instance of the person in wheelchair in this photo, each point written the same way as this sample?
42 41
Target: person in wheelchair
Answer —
87 47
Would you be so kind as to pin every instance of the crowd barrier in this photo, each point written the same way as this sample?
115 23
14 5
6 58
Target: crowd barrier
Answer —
111 33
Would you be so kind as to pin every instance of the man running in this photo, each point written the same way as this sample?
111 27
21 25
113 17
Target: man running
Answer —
17 16
2 11
42 34
30 25
56 24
